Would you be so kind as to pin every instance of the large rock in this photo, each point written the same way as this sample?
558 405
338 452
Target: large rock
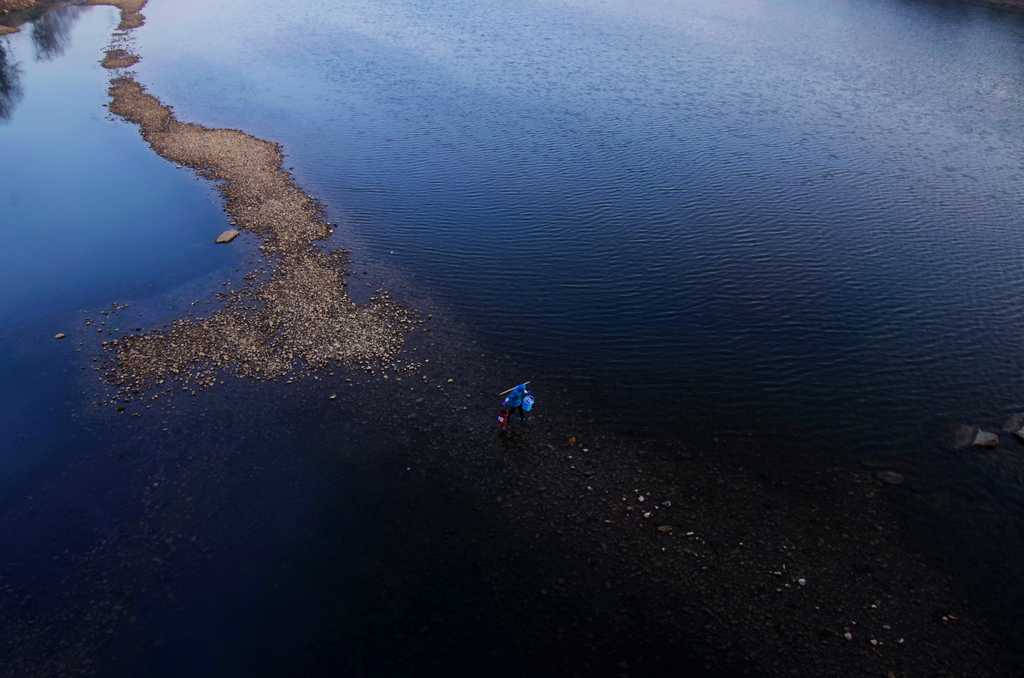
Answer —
964 436
1014 423
1020 434
986 439
227 236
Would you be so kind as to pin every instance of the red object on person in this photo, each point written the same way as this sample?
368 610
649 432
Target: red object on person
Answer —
503 419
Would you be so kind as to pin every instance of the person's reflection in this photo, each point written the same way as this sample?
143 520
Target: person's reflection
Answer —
10 83
51 32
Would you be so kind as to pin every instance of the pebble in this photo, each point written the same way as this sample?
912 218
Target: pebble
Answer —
890 477
59 335
227 236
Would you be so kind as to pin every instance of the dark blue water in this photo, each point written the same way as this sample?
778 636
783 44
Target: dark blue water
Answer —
796 216
90 217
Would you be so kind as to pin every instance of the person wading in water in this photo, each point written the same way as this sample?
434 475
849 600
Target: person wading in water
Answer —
517 399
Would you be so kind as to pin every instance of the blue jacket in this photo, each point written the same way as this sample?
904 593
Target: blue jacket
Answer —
515 398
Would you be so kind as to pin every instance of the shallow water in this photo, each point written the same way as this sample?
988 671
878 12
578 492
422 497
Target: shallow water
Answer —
796 219
82 228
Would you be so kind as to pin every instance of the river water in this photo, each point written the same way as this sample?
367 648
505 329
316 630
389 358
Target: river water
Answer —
796 219
772 216
793 220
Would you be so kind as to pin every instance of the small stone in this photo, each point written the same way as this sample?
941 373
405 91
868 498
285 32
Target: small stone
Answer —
227 236
59 336
890 477
450 380
986 439
801 581
848 635
333 396
1020 434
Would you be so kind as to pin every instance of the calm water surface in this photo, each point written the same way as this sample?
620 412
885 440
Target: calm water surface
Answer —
795 219
785 217
89 216
798 219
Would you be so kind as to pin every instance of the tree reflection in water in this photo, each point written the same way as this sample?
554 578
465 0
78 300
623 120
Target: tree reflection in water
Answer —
10 83
51 32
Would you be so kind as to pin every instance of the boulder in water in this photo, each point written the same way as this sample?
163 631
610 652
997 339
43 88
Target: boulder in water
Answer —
227 236
986 439
964 436
1014 423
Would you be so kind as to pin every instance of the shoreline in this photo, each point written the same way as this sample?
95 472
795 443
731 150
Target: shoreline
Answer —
15 13
728 570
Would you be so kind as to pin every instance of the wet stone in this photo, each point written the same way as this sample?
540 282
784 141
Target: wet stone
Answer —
986 439
964 436
227 236
1014 423
890 477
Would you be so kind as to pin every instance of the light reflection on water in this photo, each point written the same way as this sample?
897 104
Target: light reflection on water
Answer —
799 219
90 217
745 216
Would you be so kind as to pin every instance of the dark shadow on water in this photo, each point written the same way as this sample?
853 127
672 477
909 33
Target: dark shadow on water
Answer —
10 83
51 32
